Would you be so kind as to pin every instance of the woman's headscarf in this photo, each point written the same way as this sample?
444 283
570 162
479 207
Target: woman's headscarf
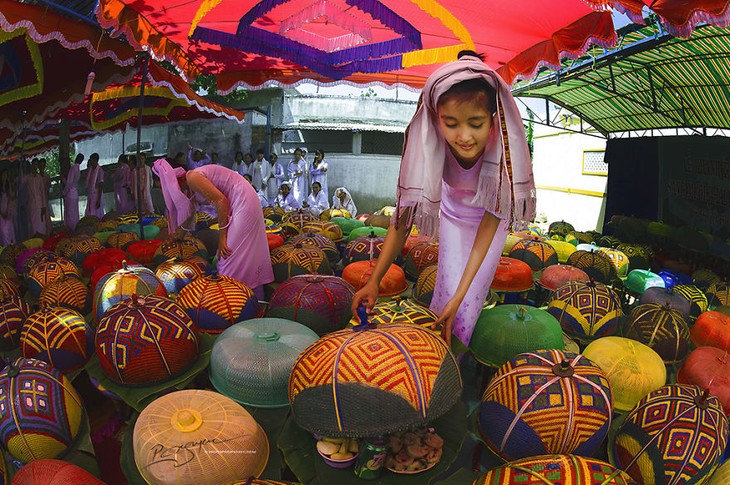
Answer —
348 204
179 206
511 192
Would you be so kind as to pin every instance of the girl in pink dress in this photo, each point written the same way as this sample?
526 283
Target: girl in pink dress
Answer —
466 174
243 250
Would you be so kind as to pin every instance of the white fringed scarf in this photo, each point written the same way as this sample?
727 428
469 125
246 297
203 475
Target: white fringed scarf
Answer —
510 192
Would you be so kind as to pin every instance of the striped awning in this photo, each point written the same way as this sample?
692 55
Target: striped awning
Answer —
650 80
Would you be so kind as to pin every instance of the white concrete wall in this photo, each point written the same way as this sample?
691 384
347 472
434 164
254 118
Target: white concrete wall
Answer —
557 165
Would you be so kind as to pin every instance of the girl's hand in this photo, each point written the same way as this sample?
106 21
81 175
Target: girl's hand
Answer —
223 250
367 295
446 320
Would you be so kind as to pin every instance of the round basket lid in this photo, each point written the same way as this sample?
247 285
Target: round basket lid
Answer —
560 228
197 436
400 310
708 368
641 279
346 224
251 361
512 275
711 328
53 472
562 248
393 283
507 330
365 231
632 368
662 329
565 469
666 296
555 276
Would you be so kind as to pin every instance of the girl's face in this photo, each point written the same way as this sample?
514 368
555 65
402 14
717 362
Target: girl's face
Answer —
465 126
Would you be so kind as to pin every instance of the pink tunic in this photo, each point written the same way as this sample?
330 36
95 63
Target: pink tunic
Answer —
35 186
459 222
94 177
146 182
71 196
250 261
122 197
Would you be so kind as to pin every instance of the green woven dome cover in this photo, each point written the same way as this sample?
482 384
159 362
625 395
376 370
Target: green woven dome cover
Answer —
641 279
365 231
150 230
347 225
507 330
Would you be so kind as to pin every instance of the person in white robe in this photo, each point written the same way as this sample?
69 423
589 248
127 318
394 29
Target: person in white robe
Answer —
285 199
316 201
343 200
71 193
297 170
94 187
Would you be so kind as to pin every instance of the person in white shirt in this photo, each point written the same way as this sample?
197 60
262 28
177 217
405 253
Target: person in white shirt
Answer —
262 195
285 200
297 177
237 161
248 167
197 157
343 200
318 172
316 201
279 177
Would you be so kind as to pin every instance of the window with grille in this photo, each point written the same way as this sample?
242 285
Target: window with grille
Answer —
594 163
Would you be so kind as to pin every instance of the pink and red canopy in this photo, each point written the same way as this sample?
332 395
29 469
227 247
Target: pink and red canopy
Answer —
251 42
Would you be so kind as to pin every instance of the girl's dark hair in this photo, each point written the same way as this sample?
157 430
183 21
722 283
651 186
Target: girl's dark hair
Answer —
472 89
320 185
320 152
467 52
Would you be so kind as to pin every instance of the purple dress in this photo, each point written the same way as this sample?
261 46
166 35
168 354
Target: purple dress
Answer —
71 196
459 222
94 178
249 261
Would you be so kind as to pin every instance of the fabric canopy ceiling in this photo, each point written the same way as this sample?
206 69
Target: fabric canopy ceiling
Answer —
652 81
251 42
167 99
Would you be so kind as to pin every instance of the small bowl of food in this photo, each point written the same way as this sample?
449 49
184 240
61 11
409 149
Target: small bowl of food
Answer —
413 452
338 452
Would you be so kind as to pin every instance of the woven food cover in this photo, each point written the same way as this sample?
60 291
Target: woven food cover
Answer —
704 278
328 214
608 241
80 247
638 255
393 282
274 240
288 230
180 249
537 254
251 361
122 284
94 260
512 275
662 329
633 369
10 253
620 261
586 310
667 296
675 435
23 257
13 313
373 382
144 251
297 259
560 228
104 270
711 328
274 213
318 241
640 280
325 228
562 248
366 231
412 240
708 368
421 255
556 469
322 303
555 276
511 240
146 340
586 237
175 274
44 273
546 402
346 224
507 330
36 258
298 217
718 294
69 292
595 264
364 248
54 472
399 310
198 437
8 288
426 283
128 218
216 302
121 240
59 336
673 277
697 299
40 411
50 242
6 272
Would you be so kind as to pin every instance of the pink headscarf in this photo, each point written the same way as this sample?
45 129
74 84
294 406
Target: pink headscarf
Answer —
179 206
511 193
